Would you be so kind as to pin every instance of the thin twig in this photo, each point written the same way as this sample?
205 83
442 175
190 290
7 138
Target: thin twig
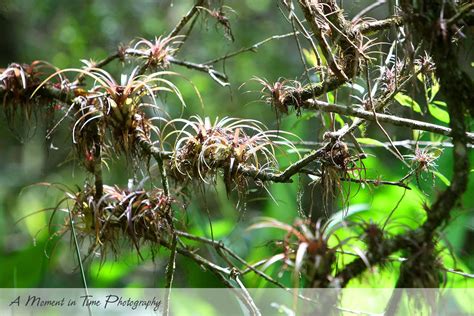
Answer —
249 267
375 182
219 77
252 48
367 28
408 143
395 120
254 307
464 274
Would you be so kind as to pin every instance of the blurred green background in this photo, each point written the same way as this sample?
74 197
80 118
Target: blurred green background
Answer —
64 32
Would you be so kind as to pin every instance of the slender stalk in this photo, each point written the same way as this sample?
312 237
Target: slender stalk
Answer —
252 48
170 274
79 259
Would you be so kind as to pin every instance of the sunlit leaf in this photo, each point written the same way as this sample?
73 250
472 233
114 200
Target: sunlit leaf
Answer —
339 119
442 178
438 113
310 57
330 96
408 102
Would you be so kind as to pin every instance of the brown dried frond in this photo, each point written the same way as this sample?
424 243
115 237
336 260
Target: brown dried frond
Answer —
135 216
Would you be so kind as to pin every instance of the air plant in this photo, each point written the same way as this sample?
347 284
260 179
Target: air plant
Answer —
121 214
306 249
202 147
391 76
425 65
276 93
157 53
424 160
117 109
221 19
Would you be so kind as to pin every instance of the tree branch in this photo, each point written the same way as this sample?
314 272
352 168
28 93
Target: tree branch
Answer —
395 120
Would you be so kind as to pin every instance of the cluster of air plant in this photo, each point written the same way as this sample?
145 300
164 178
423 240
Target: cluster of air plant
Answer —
276 93
202 148
336 163
114 113
305 249
157 53
221 17
391 76
424 160
18 82
120 214
425 65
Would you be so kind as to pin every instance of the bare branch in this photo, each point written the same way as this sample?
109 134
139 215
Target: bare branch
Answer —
395 120
252 48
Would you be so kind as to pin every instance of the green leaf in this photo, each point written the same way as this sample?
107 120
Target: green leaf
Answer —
442 178
370 141
434 89
330 96
305 116
408 102
220 229
440 103
339 119
374 142
438 113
